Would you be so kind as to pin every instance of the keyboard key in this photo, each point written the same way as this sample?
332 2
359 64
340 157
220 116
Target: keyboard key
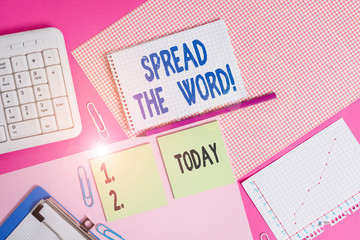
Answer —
19 63
48 124
10 99
35 60
5 67
24 129
2 134
29 111
42 92
45 108
51 57
26 95
7 83
29 43
56 81
38 76
62 113
13 114
22 79
17 45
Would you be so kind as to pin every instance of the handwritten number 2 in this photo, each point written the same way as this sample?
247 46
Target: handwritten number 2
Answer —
116 207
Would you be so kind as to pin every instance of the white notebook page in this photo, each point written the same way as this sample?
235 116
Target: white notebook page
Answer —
130 76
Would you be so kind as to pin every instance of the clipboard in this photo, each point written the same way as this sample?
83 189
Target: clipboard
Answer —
40 212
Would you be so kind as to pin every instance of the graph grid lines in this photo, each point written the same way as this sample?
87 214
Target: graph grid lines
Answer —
313 184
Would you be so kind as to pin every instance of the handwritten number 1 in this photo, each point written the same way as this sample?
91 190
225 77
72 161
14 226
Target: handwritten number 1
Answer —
103 168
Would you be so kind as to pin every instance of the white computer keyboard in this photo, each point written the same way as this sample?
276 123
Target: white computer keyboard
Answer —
37 103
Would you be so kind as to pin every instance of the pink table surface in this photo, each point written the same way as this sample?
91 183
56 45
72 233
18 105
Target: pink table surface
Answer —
217 214
78 20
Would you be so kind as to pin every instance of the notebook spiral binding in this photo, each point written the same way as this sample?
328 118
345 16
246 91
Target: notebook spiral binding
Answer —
120 90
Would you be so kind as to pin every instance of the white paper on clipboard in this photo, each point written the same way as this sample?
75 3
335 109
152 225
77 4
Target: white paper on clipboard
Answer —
47 222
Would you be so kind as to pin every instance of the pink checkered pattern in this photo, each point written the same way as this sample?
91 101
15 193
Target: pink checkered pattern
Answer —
308 52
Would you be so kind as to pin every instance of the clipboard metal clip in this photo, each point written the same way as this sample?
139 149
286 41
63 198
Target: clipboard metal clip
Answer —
38 216
108 233
83 227
86 191
98 121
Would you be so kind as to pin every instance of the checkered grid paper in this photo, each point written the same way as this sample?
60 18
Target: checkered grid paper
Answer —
306 52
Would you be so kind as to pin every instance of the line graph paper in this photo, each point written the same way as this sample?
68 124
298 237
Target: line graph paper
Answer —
313 184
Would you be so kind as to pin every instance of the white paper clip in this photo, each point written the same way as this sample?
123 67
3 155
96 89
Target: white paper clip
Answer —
264 236
103 132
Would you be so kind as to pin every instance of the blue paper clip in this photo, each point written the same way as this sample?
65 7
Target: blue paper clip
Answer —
82 178
105 234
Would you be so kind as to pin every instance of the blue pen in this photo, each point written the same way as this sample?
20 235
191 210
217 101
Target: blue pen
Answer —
107 230
88 199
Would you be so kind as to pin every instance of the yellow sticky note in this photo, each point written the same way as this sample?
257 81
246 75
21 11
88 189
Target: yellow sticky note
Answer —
196 159
128 182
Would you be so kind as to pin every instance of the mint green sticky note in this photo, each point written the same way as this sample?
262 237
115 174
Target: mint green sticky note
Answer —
196 159
128 182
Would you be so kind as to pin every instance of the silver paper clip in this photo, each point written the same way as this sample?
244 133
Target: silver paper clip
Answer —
108 233
102 130
88 198
264 236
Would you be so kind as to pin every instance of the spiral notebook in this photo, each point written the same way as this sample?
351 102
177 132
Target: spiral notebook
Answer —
178 76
